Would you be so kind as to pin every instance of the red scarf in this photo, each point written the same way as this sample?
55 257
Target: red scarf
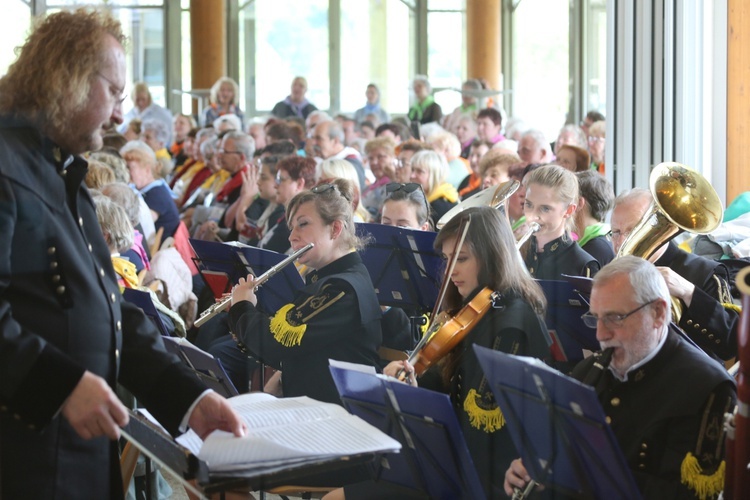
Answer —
235 182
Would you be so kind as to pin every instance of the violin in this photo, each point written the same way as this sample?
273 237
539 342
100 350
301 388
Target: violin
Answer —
446 332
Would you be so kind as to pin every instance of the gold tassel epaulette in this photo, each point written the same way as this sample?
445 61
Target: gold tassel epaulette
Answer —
286 333
703 485
480 418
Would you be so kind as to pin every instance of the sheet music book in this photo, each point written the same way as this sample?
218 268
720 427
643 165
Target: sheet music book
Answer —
559 427
403 266
434 459
237 261
287 431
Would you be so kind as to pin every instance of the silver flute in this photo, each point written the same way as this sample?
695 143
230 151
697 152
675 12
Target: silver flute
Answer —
226 301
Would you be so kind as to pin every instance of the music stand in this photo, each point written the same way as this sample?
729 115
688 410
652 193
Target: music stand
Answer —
237 261
434 459
403 266
143 301
559 427
565 305
206 367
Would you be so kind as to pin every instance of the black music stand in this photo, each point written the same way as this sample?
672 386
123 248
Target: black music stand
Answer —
403 266
237 261
434 460
206 367
143 301
559 427
160 447
566 302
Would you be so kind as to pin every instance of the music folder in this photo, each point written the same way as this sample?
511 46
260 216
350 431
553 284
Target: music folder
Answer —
434 459
143 301
566 303
206 367
237 261
403 266
559 427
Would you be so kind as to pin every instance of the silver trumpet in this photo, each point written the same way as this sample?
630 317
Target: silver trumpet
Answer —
225 302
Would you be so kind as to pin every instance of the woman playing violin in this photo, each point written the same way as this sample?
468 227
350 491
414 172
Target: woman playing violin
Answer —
487 260
336 315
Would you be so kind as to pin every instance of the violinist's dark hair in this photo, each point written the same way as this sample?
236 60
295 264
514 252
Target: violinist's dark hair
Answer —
490 239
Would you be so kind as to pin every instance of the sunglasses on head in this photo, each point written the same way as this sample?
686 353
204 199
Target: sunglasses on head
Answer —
409 187
322 188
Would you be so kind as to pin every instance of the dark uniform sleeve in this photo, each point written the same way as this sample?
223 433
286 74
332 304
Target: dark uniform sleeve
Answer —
712 326
308 324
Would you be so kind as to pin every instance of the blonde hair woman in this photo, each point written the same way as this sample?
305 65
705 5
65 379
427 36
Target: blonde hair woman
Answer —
430 170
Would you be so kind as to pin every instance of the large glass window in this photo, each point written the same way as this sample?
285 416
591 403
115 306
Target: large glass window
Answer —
376 46
446 53
291 45
596 56
14 27
540 87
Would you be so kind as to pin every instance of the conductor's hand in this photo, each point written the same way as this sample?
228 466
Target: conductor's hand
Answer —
245 290
401 370
515 477
94 410
213 412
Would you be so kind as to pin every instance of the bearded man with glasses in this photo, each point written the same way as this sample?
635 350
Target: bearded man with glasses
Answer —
664 398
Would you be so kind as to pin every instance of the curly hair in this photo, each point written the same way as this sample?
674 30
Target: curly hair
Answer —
52 76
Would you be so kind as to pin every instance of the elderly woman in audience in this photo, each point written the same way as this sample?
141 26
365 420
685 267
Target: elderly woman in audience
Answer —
381 156
495 167
372 107
573 158
430 170
146 109
425 109
295 104
490 125
447 145
155 134
466 131
405 151
469 106
342 169
181 127
142 164
98 174
472 183
597 134
223 100
118 234
571 135
125 197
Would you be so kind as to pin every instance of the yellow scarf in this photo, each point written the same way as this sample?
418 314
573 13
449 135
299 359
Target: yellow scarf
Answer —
445 190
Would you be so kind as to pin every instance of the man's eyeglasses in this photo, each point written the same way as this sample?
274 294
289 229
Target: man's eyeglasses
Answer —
611 320
116 92
593 139
616 234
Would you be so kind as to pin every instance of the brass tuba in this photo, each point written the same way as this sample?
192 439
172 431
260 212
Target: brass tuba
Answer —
683 200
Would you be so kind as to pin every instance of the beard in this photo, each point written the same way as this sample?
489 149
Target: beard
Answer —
628 353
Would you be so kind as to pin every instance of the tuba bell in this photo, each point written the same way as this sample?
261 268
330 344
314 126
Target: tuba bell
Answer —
683 200
493 196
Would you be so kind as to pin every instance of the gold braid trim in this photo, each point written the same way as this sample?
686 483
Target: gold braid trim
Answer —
484 420
732 307
285 333
704 486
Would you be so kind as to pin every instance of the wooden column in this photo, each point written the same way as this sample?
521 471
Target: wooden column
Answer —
738 98
208 42
483 40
